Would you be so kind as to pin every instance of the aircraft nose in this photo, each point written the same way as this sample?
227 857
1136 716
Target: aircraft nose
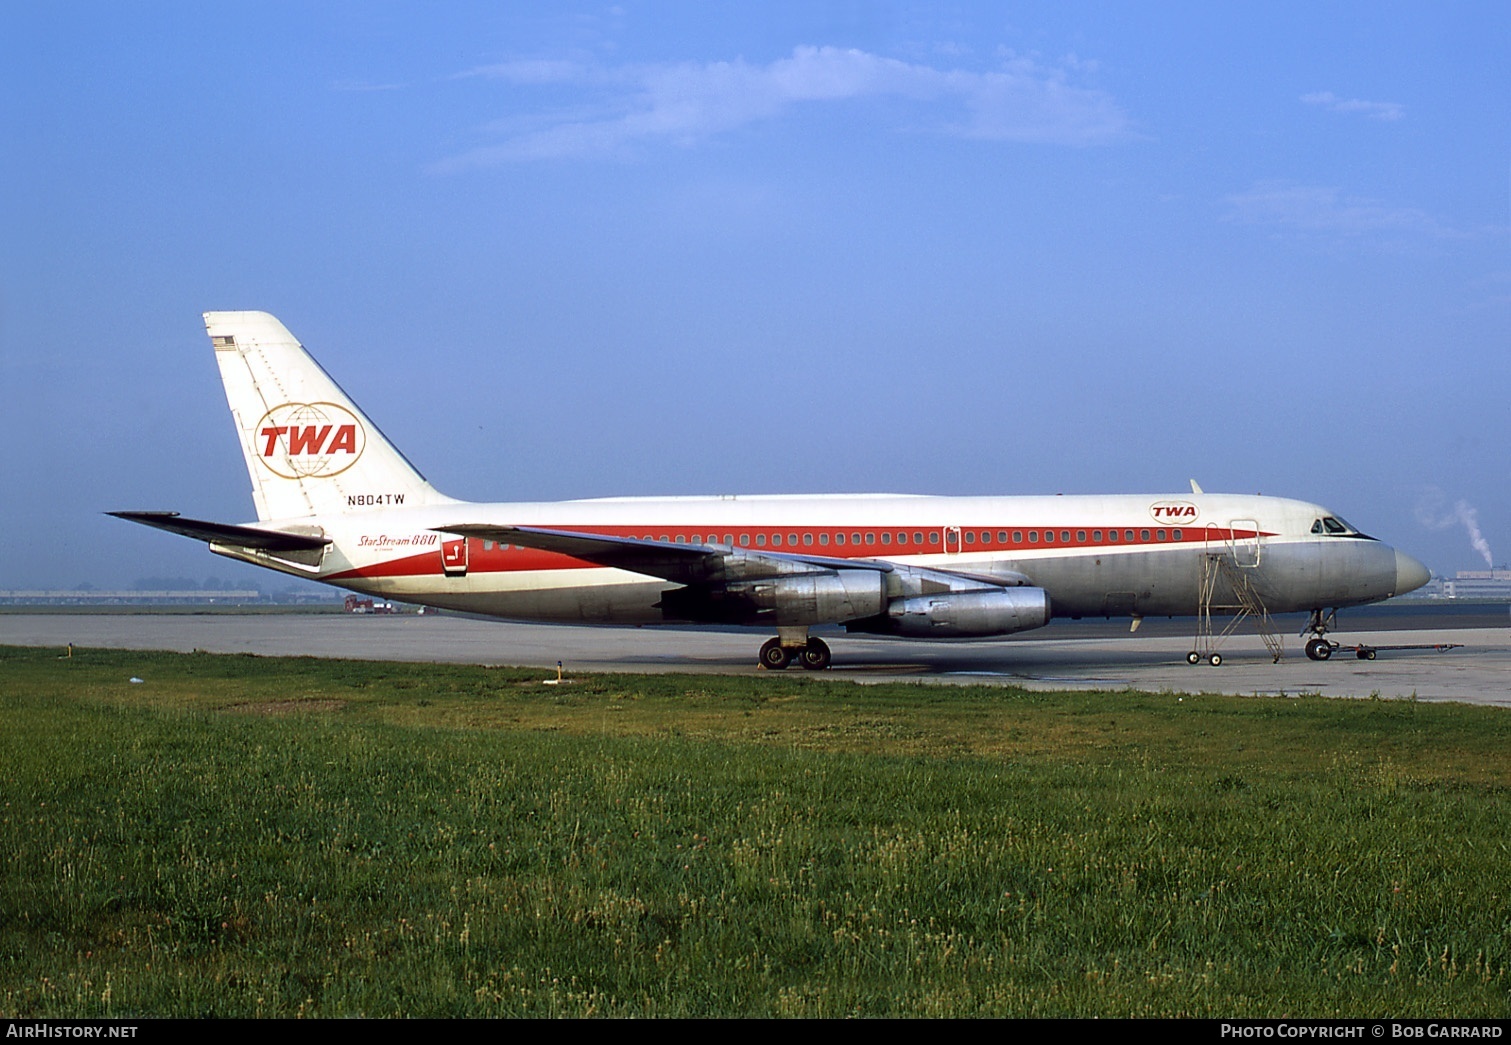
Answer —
1410 574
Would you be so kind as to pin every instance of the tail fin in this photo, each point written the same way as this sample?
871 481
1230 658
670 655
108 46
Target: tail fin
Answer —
310 450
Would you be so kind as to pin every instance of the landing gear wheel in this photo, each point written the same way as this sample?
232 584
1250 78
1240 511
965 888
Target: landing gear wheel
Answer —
775 656
1215 660
1319 649
816 655
1193 657
1365 654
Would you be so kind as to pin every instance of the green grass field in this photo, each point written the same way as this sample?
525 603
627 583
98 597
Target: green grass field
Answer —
243 836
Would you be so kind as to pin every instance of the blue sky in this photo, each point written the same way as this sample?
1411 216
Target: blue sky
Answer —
654 248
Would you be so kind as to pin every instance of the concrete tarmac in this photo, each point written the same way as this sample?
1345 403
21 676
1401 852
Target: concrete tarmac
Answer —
1479 672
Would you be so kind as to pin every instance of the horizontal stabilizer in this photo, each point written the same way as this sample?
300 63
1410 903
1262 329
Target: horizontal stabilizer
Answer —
226 533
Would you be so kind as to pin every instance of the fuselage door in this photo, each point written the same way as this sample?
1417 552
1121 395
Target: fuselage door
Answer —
952 539
1243 542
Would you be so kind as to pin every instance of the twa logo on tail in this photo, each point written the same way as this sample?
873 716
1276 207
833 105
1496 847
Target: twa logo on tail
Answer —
309 440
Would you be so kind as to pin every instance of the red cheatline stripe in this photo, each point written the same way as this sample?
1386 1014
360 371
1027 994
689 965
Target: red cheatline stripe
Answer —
516 559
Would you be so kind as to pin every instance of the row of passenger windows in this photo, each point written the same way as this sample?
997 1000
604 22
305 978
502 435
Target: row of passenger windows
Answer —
919 538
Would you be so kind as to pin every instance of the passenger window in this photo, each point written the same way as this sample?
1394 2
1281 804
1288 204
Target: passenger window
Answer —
1080 535
681 538
744 540
1096 535
1112 535
1065 536
1128 535
1159 535
933 536
917 537
1143 535
1002 537
1049 537
970 536
839 538
886 538
1033 536
760 540
807 538
1017 536
792 539
1179 535
870 537
823 539
855 538
776 540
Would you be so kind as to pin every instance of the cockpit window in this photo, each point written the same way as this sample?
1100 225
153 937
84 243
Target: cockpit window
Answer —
1330 525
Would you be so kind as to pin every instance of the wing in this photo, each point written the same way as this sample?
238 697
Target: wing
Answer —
702 564
679 563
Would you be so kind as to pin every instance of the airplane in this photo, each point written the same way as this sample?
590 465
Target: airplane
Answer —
338 503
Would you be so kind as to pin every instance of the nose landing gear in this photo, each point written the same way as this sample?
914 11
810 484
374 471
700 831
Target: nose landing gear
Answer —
1318 647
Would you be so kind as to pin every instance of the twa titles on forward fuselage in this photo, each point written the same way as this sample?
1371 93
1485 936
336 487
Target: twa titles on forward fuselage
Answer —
336 502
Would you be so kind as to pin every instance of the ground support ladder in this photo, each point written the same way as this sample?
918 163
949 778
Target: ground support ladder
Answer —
1219 565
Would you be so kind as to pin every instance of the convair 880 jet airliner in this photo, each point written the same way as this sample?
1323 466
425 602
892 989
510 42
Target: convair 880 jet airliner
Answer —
336 502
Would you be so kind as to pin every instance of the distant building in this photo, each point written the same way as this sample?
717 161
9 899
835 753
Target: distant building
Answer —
94 597
1478 584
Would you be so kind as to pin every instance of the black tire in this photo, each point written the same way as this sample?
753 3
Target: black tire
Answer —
816 655
775 656
1318 649
1193 657
1215 660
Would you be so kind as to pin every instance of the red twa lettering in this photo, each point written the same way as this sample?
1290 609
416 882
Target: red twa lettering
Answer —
307 440
272 435
310 439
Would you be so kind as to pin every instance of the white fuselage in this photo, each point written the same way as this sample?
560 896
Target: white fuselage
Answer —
1115 555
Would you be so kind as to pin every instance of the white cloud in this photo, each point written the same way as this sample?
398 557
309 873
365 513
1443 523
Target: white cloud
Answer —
364 85
530 71
1312 208
1352 106
684 103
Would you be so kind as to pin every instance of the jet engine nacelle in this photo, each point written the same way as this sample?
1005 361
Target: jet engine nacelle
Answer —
970 614
804 599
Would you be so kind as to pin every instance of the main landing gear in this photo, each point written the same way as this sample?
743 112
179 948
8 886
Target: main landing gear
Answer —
813 654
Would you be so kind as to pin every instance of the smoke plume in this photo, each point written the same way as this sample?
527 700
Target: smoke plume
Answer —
1431 514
